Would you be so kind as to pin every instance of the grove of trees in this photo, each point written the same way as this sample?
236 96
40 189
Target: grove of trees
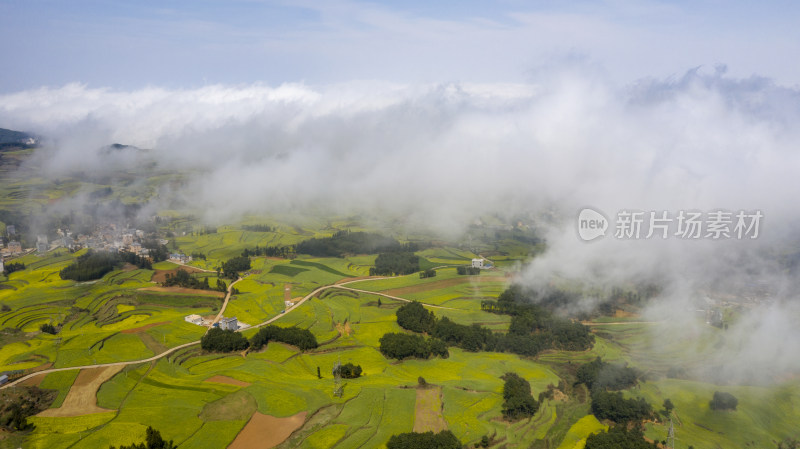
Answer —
395 263
414 317
182 278
429 273
349 371
613 406
232 267
401 346
518 402
218 340
619 437
468 270
723 401
96 264
532 330
303 339
598 374
258 228
12 267
413 440
48 328
346 242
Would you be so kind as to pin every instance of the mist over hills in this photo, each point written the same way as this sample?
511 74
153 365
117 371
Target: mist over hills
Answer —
439 157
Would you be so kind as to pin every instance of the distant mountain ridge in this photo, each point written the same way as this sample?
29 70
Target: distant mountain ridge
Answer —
10 137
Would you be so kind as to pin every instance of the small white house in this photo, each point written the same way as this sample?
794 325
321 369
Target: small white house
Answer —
288 304
228 324
14 247
477 263
194 319
42 244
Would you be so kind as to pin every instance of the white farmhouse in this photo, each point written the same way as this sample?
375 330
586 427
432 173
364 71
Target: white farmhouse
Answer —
194 319
477 263
228 324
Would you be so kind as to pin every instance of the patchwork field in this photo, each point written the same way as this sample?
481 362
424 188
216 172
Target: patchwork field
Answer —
82 396
274 398
428 411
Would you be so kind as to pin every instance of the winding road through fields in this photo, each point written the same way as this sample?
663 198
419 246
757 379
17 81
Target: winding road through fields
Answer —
216 319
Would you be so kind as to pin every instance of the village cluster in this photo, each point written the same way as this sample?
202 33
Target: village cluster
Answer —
108 237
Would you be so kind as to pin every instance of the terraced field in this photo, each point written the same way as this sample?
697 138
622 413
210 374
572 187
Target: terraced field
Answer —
216 400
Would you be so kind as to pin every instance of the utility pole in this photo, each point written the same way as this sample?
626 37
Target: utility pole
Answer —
671 435
337 379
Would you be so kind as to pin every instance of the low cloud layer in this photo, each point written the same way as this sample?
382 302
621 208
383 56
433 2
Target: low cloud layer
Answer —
444 154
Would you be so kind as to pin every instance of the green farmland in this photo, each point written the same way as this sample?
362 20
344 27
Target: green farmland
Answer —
203 399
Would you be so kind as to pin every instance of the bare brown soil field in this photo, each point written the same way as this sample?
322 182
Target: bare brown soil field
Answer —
441 284
82 397
184 291
265 431
619 313
428 411
344 329
161 275
227 380
136 330
33 381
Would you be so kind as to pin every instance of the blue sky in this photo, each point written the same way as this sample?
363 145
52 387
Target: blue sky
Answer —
188 44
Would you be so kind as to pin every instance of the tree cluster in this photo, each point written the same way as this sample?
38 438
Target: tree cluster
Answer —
414 317
611 405
12 267
600 375
429 440
133 259
723 401
48 329
218 340
270 251
468 270
96 264
518 402
619 437
20 402
346 242
302 338
258 228
153 440
536 323
429 273
395 263
157 251
92 265
349 371
232 267
15 415
531 331
401 346
182 278
198 256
